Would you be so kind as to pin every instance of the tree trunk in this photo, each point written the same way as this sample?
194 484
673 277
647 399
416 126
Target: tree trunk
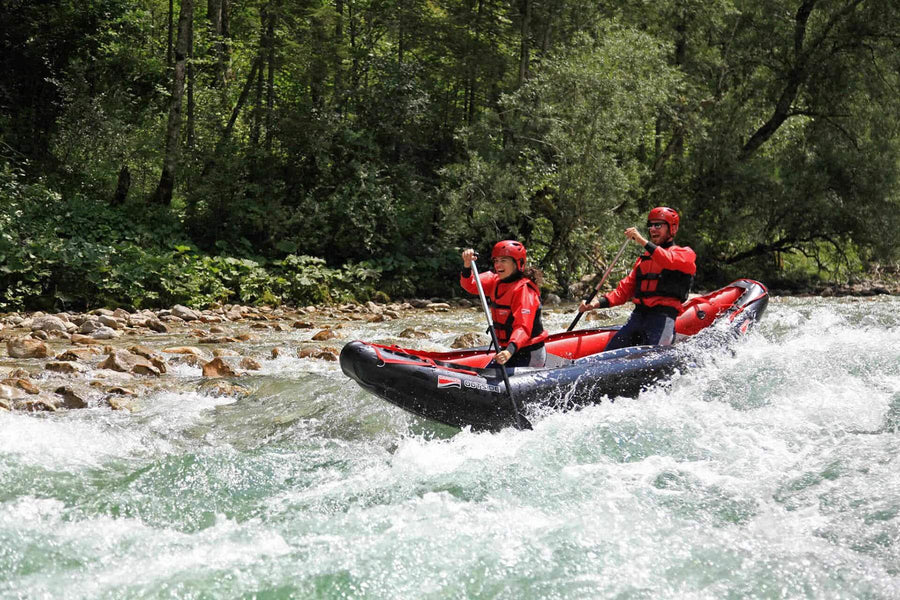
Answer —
216 11
270 80
122 186
169 42
525 49
190 86
166 185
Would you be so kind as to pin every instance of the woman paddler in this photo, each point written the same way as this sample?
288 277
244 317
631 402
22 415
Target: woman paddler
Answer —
512 289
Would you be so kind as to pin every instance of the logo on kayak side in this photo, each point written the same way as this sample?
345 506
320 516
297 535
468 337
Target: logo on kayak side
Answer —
485 387
447 382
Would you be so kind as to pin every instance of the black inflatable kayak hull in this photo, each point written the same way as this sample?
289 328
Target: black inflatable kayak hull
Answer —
455 388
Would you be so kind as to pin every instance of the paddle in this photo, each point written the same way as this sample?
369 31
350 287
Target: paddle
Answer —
612 263
521 422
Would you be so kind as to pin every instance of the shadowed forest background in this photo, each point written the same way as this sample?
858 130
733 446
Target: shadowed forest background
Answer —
156 152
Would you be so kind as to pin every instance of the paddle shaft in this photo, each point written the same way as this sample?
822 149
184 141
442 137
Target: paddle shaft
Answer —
602 281
520 422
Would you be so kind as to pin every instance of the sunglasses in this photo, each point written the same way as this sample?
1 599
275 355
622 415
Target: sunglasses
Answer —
654 225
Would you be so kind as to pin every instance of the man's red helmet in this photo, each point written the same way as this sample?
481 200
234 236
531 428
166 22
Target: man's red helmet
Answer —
669 215
511 248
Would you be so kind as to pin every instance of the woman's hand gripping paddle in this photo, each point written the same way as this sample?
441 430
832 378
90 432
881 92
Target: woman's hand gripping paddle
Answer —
520 421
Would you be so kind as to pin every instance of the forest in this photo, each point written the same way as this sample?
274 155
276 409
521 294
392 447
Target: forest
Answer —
155 152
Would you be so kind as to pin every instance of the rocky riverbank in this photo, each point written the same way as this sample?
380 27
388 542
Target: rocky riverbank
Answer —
114 358
109 358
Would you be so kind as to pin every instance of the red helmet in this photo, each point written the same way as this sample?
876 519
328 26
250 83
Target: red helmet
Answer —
669 215
511 248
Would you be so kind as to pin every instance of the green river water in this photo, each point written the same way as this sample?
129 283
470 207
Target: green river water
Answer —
771 472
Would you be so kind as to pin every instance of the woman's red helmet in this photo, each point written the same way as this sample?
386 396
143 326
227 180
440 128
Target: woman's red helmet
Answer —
669 215
511 248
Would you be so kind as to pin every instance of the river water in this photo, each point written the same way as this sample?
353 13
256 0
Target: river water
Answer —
771 472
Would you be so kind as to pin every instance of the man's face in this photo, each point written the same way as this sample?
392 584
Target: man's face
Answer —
659 231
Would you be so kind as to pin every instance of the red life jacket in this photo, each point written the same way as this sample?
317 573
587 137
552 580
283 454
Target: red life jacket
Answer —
652 282
501 300
662 279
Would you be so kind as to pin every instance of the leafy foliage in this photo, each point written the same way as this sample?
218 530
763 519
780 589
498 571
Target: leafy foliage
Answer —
334 149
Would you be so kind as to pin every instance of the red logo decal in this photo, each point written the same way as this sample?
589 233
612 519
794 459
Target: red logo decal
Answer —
448 382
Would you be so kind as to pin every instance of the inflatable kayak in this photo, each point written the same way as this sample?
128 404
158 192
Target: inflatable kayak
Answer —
460 388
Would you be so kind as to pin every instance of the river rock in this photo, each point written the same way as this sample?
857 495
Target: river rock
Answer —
156 359
89 326
84 340
70 398
105 333
224 352
5 405
184 350
22 384
325 334
27 348
218 368
419 303
66 367
126 362
321 353
250 364
184 313
411 332
438 306
120 403
219 388
111 322
78 354
49 323
8 392
157 325
552 300
18 373
466 340
40 334
39 404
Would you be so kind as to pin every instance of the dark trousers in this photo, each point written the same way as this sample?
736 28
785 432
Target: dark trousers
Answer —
645 327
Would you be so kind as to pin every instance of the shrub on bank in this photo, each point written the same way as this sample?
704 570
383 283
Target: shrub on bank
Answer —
77 253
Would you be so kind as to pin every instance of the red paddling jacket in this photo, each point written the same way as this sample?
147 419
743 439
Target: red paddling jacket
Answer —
515 309
661 278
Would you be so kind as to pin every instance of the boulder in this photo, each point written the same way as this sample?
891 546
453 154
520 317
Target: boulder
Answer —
22 384
466 340
250 364
105 333
78 354
126 362
321 353
39 404
218 368
66 367
156 359
48 323
85 340
184 350
157 325
8 392
184 313
27 348
413 333
325 334
70 398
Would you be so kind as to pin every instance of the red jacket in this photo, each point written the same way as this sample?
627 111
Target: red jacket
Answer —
661 276
515 308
